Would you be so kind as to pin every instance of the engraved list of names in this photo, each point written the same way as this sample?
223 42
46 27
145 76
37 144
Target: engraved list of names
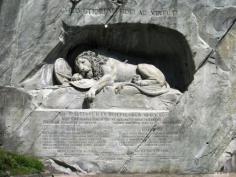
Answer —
105 135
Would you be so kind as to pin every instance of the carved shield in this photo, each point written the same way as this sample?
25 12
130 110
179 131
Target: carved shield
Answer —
62 71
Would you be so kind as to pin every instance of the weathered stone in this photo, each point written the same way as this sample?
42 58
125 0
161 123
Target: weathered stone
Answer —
64 98
15 107
226 163
175 36
37 41
209 107
41 79
128 98
131 98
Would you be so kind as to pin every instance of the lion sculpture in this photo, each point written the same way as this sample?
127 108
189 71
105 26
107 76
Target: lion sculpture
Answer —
107 71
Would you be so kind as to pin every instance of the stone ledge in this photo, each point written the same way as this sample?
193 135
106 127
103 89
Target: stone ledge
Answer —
153 175
133 175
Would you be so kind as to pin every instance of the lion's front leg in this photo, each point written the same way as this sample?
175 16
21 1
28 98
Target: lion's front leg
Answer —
90 95
101 83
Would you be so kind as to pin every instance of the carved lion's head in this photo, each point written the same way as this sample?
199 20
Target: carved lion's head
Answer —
89 64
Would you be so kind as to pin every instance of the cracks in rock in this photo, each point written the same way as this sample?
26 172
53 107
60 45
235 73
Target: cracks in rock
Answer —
212 152
207 157
123 168
8 47
74 4
11 65
28 116
187 123
25 118
5 70
110 18
39 65
54 118
73 168
215 148
214 54
32 72
14 132
119 4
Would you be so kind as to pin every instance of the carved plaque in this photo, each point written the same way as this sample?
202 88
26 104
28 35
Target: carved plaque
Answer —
106 137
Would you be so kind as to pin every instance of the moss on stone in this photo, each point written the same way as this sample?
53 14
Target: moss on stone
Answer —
14 164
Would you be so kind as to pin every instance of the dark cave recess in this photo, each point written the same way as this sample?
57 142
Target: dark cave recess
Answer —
165 48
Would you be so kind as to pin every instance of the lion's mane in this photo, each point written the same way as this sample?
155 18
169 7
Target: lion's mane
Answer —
96 61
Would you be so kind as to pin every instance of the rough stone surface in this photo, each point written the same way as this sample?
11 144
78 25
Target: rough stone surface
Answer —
226 162
29 44
130 97
177 36
208 106
156 175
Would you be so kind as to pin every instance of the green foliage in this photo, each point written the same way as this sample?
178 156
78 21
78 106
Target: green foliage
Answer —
14 164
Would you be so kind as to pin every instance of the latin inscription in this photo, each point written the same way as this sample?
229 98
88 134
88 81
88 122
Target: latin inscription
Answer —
96 133
124 11
161 16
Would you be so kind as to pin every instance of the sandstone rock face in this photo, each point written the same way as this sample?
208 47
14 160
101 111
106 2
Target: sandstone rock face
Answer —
192 42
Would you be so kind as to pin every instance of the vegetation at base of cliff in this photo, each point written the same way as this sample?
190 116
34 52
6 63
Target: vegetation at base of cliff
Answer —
14 164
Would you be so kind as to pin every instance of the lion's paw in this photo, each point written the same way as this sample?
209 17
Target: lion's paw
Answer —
118 88
90 95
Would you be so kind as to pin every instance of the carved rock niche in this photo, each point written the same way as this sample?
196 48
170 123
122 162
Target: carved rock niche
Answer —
165 48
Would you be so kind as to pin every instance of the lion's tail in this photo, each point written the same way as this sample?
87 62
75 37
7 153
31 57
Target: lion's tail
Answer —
148 92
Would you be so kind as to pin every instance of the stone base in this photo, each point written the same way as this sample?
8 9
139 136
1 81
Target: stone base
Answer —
112 141
128 98
155 175
102 140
